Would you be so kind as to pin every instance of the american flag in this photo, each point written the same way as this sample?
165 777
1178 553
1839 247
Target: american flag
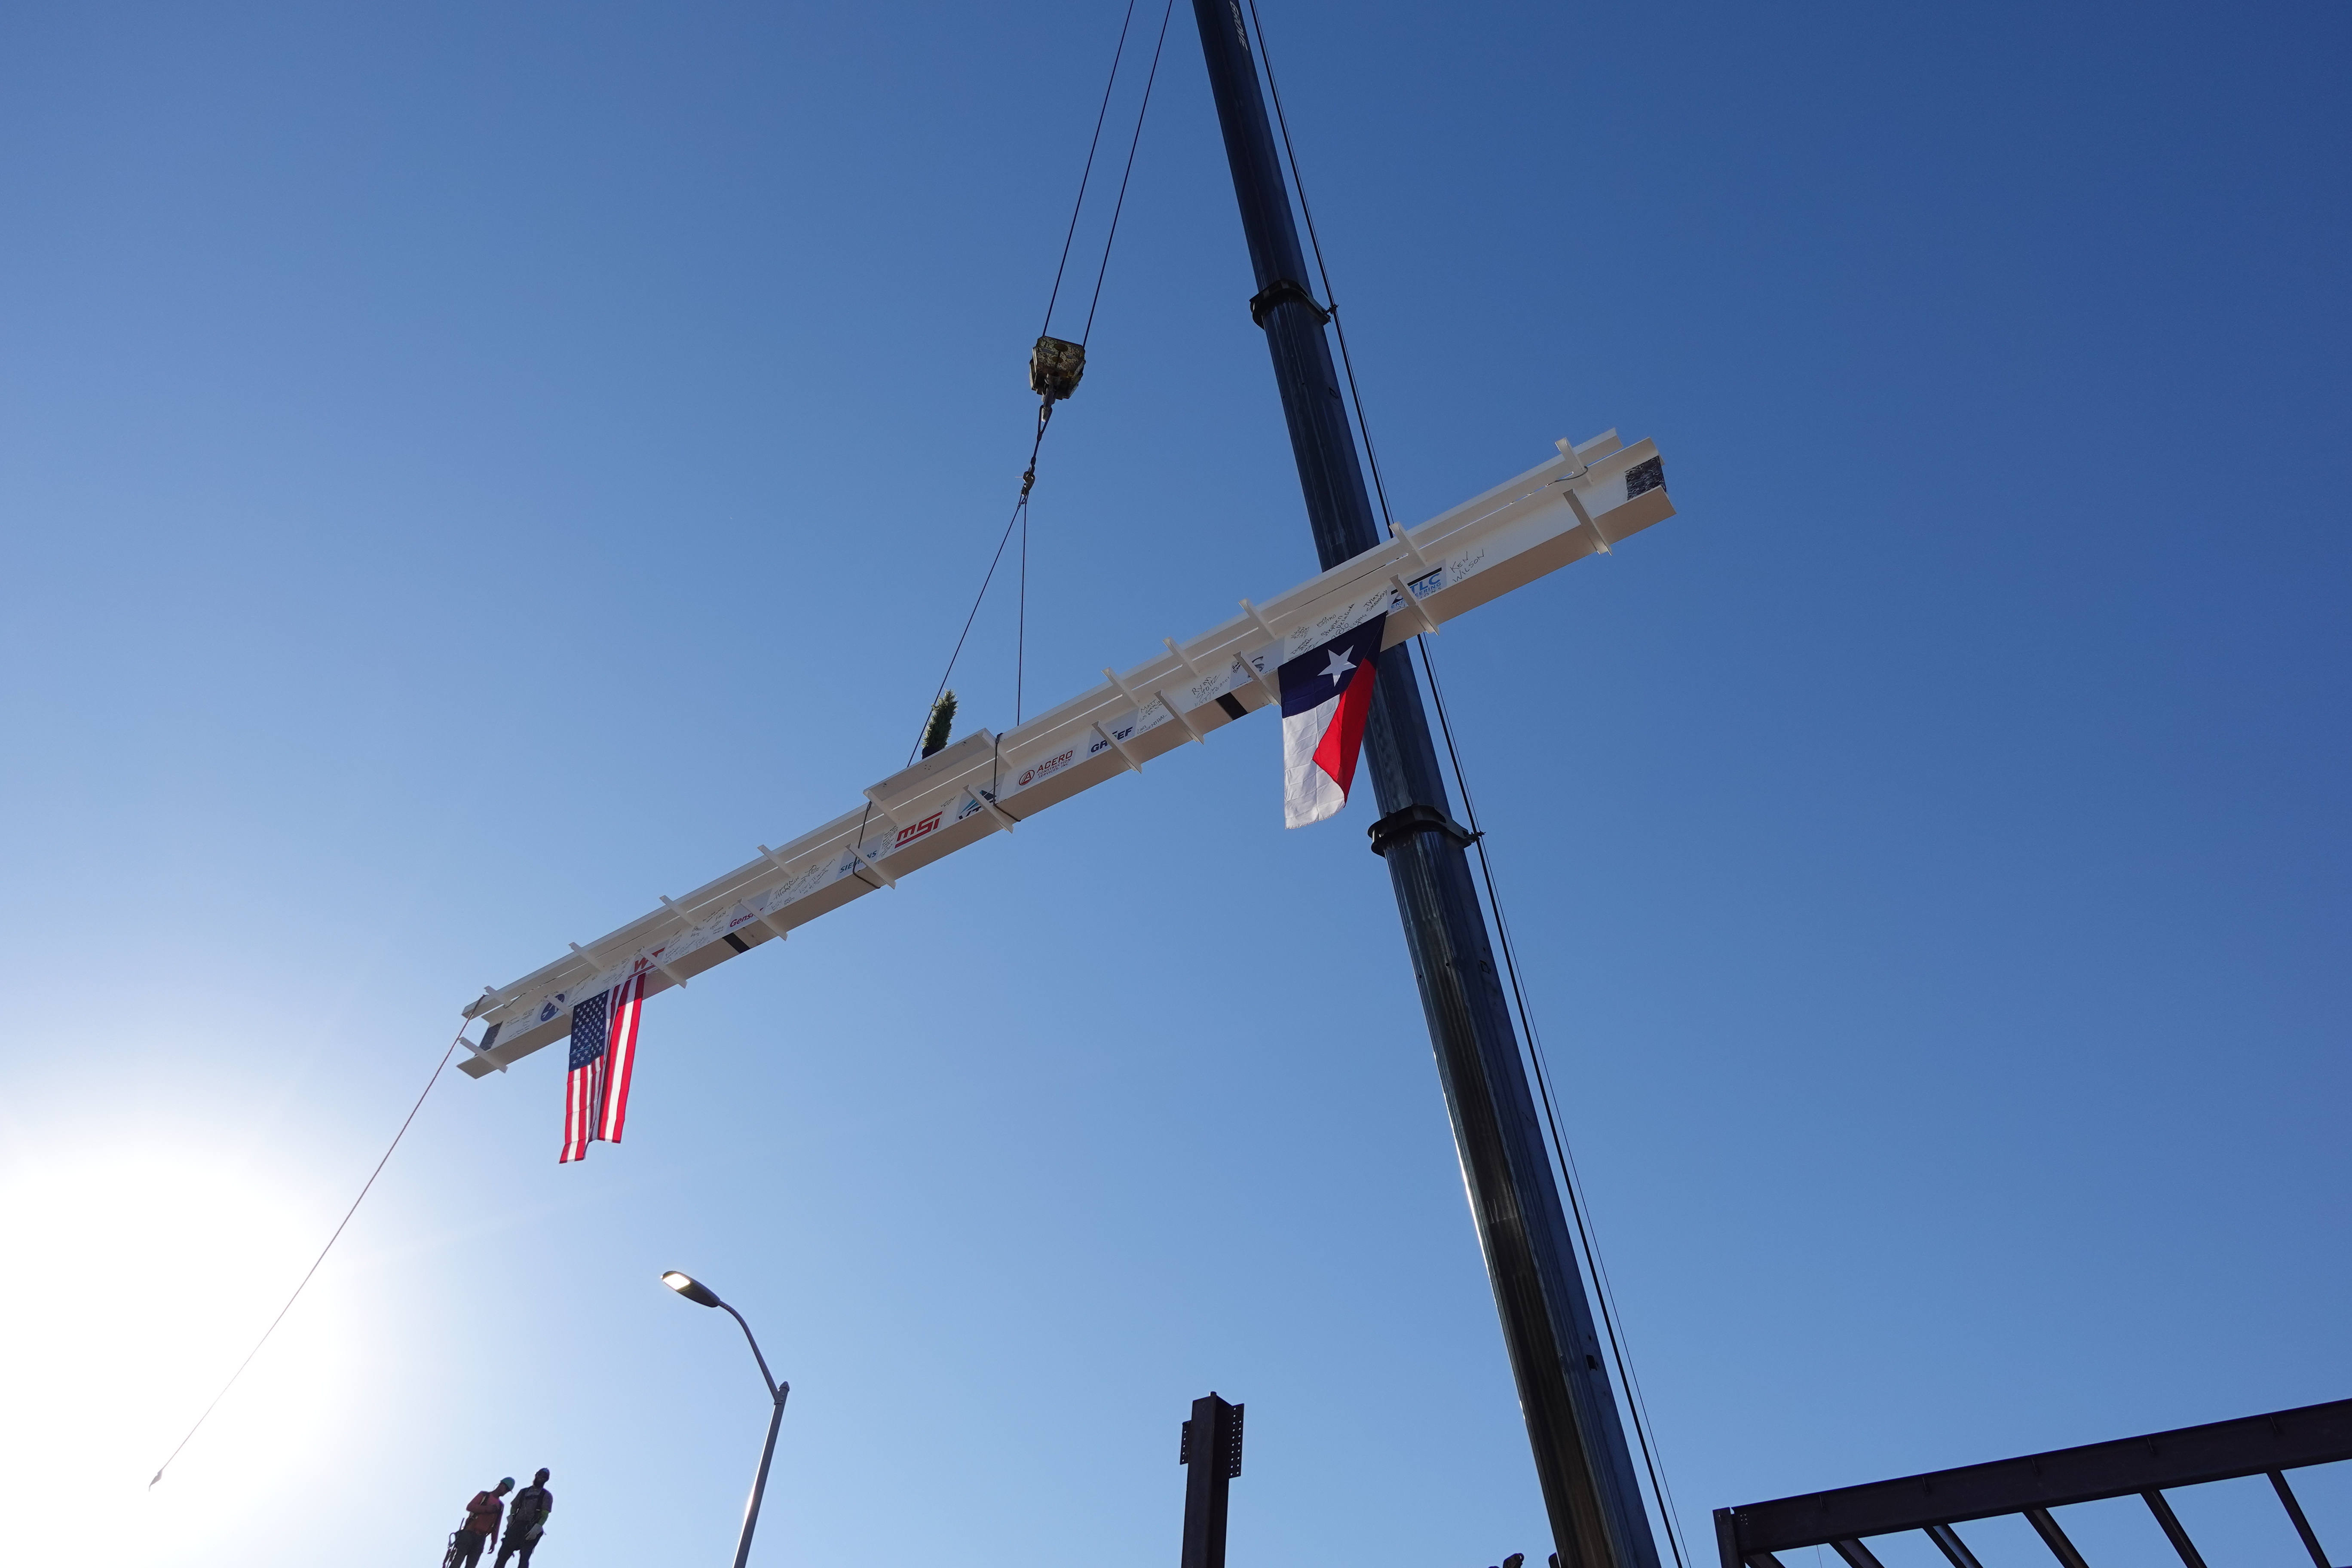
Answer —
604 1050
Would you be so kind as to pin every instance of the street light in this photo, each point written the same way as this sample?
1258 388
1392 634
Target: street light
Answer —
702 1295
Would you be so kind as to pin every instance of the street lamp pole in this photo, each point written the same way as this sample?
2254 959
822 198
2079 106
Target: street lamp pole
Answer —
701 1295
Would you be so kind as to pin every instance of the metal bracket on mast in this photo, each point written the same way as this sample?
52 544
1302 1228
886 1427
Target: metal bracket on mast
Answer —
1280 289
1417 818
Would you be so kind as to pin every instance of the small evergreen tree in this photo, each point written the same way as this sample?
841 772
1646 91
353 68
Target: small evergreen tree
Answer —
935 733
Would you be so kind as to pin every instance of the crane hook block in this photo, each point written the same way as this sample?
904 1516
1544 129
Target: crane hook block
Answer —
1055 367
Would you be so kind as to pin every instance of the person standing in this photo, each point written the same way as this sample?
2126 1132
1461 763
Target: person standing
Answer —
526 1519
481 1526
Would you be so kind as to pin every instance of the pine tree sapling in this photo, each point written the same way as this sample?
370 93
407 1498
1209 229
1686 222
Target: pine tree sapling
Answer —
935 733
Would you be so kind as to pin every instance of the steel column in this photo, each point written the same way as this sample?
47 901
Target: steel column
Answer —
1211 1453
1578 1441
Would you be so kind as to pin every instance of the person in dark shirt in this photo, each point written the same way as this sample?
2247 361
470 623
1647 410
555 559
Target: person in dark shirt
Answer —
481 1526
526 1519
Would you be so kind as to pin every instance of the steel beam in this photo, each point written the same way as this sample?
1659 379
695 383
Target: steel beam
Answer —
2170 1522
2302 1525
2061 1547
1497 541
2190 1456
1956 1551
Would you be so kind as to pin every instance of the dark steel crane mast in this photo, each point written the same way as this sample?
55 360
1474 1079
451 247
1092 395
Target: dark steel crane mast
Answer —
1587 1474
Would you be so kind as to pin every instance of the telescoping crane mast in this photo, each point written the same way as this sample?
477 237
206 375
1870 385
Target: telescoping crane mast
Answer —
1581 1460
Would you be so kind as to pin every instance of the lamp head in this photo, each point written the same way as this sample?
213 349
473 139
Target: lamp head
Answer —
693 1290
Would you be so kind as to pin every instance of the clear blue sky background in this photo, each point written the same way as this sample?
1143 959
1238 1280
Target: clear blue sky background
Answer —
468 470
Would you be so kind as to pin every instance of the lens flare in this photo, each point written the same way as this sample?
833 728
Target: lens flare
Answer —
143 1280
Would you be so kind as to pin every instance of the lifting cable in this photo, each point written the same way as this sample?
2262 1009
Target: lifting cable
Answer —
1055 368
1571 1180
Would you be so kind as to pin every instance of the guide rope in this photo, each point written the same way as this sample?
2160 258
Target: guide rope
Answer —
1571 1179
1054 380
305 1281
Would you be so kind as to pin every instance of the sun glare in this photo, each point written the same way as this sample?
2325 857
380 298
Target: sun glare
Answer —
134 1287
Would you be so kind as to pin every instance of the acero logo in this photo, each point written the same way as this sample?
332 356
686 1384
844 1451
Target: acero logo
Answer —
1051 765
909 834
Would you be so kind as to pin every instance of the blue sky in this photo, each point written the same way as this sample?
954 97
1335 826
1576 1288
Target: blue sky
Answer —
469 469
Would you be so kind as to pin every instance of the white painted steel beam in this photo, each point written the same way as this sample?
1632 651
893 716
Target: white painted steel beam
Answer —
1579 503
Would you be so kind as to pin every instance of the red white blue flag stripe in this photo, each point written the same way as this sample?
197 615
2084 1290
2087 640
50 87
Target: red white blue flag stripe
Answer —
603 1057
1327 696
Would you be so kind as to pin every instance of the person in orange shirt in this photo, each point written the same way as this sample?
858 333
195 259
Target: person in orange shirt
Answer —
481 1526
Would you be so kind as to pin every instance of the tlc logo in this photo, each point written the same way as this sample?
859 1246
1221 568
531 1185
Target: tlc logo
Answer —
908 835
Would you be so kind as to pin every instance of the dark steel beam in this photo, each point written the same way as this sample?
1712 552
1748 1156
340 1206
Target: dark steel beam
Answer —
2219 1451
1726 1546
1574 1428
1956 1551
1726 1543
2170 1523
2054 1538
1856 1555
2302 1525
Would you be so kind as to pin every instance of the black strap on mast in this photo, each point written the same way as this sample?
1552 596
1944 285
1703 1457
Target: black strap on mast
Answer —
1573 1425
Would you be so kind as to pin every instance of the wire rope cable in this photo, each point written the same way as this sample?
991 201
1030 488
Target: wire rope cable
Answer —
1020 509
1315 243
1020 621
305 1281
1087 173
1571 1179
1020 516
1133 143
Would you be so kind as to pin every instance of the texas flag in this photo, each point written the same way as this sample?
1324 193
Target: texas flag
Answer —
1327 695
